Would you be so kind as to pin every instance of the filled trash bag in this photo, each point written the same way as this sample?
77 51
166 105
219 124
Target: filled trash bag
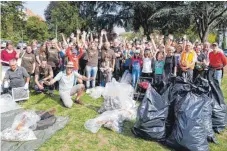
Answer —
126 77
193 119
219 115
151 116
21 128
96 92
112 120
178 91
117 96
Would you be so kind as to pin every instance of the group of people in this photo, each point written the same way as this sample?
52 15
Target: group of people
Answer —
65 65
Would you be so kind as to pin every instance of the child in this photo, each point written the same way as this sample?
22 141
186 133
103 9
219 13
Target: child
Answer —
170 63
106 71
136 67
147 64
127 53
159 67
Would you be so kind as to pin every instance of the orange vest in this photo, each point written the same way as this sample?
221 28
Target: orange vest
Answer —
186 60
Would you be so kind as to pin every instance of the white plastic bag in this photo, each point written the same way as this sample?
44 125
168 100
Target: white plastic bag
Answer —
7 103
20 130
25 134
26 119
117 96
111 119
96 92
126 77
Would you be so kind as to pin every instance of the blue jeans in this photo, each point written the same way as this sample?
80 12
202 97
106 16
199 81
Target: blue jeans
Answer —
135 76
91 72
218 76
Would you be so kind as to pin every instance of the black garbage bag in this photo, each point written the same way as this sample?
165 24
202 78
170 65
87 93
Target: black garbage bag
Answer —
219 116
151 116
178 89
192 121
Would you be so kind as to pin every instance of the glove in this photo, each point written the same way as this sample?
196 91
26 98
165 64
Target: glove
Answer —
26 86
6 84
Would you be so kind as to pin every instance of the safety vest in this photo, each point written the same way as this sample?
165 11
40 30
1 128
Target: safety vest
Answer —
187 58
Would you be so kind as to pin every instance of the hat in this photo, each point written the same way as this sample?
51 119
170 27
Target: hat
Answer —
216 44
137 51
70 65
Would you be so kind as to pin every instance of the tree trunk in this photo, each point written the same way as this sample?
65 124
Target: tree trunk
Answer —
205 35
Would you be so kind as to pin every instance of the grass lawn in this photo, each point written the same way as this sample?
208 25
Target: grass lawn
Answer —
75 137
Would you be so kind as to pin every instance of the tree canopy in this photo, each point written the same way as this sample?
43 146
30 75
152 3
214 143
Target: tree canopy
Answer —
196 19
36 29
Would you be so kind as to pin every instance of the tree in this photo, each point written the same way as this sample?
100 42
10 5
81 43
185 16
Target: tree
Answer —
12 20
36 29
208 16
64 16
205 15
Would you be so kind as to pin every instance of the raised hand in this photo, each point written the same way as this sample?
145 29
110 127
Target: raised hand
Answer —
78 31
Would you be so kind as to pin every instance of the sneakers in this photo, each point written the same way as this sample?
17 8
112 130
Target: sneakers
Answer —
79 102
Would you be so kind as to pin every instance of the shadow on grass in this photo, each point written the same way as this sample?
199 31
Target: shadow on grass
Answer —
127 131
93 107
54 97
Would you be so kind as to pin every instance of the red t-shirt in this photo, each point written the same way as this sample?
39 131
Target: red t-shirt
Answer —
217 60
74 58
5 56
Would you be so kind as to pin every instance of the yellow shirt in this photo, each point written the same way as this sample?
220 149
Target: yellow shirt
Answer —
188 58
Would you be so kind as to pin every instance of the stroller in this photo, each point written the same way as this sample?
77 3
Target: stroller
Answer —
141 87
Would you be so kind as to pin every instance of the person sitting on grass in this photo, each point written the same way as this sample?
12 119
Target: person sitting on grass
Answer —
43 73
14 77
67 89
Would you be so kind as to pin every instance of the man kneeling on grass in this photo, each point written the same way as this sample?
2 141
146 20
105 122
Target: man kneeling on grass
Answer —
43 73
66 87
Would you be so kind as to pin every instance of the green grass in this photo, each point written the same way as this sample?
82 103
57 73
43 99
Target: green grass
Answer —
75 137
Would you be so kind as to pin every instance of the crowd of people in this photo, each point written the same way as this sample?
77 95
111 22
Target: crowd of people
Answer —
65 65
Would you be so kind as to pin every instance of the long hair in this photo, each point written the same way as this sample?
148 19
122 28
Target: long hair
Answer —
42 50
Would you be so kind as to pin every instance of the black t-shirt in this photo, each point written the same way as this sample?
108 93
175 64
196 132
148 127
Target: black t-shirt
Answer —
117 60
201 57
169 64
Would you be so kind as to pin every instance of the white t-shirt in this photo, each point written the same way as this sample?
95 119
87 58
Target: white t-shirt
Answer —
66 82
147 65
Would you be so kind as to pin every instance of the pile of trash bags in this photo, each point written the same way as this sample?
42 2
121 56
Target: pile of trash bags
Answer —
182 115
118 106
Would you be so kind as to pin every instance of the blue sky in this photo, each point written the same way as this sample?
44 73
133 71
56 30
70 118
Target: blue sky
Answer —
38 7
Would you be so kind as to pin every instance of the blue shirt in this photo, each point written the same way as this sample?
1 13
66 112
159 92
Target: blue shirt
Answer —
159 67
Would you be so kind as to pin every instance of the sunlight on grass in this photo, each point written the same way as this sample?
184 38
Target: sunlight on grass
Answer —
75 137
